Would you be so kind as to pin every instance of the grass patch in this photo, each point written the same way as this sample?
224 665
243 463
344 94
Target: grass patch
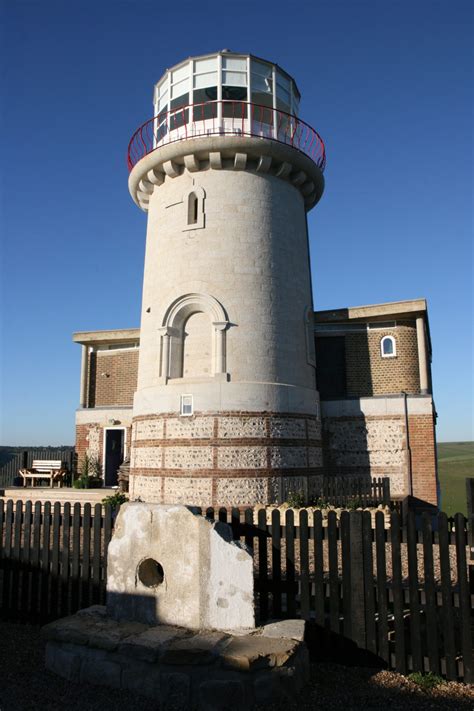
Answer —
455 464
426 681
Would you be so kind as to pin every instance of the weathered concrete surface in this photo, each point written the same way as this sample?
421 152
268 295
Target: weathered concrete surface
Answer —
287 629
207 579
177 667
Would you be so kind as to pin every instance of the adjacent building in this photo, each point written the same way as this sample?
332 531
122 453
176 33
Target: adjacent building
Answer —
374 380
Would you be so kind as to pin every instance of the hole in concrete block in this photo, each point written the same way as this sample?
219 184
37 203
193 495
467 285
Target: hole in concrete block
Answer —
150 573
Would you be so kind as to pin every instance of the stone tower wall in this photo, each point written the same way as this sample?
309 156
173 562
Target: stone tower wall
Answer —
226 319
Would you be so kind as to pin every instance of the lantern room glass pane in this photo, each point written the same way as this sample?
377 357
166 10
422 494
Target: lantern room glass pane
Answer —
203 108
205 65
234 78
283 95
202 80
264 70
178 116
296 101
283 106
263 84
162 126
162 101
180 88
163 87
180 74
234 98
283 81
262 109
234 63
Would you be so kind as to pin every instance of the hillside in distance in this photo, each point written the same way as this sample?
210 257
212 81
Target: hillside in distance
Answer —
455 463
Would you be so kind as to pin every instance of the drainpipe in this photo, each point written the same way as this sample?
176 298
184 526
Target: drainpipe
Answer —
407 434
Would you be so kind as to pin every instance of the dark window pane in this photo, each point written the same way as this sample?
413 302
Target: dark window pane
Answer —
161 131
283 106
179 118
260 112
388 346
201 109
162 124
182 100
331 366
234 95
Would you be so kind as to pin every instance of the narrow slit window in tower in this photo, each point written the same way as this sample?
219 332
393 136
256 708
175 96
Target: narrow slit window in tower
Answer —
192 209
194 205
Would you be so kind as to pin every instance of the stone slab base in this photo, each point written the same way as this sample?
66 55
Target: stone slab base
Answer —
178 668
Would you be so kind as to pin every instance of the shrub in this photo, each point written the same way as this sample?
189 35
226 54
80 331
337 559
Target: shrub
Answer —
296 499
88 482
91 474
354 503
319 503
115 500
86 468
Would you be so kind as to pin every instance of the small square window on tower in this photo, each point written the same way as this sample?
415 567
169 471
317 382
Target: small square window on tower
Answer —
186 408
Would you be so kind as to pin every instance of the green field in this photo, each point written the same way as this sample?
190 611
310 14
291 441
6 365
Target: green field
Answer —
455 463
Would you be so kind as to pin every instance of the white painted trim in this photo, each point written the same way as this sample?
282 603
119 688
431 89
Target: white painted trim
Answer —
394 344
373 406
101 416
117 350
84 379
186 414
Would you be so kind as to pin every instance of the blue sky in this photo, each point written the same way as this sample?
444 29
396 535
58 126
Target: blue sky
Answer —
387 83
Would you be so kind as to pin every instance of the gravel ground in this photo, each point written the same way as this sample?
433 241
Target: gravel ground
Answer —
26 686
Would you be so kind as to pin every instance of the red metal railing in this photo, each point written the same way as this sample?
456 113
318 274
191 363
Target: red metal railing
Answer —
218 118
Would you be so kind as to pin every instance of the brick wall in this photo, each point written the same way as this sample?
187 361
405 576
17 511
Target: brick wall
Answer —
367 373
386 375
112 377
90 439
81 443
423 457
374 446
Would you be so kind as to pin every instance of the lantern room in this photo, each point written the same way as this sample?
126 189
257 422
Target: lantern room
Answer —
226 94
226 76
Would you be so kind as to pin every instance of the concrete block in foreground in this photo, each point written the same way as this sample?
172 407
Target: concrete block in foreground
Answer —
178 668
168 565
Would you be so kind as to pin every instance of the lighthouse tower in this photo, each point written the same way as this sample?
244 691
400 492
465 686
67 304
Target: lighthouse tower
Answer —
226 410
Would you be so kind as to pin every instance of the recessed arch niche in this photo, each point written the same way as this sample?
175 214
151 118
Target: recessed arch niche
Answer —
193 338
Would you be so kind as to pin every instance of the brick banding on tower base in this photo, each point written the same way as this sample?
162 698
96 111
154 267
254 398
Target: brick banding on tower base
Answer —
223 459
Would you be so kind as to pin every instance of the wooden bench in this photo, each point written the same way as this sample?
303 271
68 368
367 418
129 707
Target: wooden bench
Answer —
52 469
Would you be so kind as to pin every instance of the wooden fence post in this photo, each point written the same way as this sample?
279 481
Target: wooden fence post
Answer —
386 491
357 606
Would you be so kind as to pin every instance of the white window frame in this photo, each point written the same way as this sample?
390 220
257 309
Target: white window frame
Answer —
182 405
394 344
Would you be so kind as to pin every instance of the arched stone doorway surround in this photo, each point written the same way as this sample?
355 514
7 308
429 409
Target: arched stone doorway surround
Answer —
173 334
